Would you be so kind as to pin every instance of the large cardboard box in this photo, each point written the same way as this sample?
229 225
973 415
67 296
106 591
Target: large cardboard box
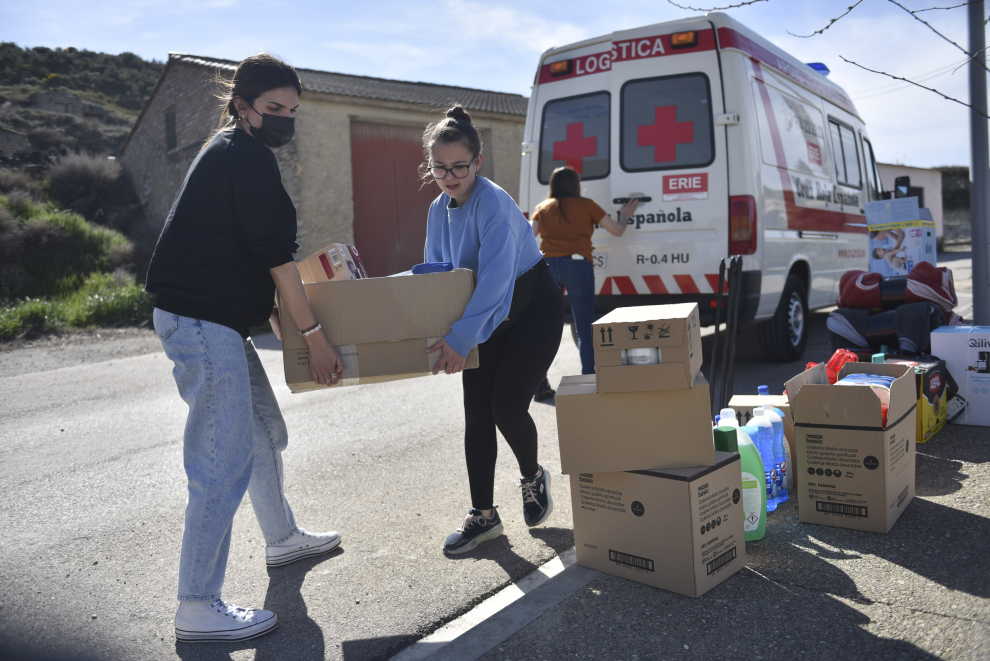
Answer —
851 471
679 529
900 236
380 326
335 262
931 380
632 430
743 405
674 329
966 351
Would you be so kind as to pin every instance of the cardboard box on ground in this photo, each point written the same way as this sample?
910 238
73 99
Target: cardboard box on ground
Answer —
966 351
680 529
850 471
380 326
602 432
675 330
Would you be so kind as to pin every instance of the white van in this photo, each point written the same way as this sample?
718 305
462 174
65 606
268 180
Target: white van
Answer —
736 147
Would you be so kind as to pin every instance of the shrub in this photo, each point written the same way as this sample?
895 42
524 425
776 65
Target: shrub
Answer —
32 316
110 300
57 250
89 185
16 180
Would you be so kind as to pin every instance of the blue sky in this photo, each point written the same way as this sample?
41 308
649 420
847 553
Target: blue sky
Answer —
496 45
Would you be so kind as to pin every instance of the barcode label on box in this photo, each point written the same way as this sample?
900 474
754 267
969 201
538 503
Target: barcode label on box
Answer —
839 508
721 561
900 499
334 257
630 560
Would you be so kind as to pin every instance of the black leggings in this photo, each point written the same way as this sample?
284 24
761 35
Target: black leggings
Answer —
513 361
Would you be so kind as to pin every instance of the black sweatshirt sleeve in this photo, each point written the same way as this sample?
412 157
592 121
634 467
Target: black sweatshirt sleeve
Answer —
263 208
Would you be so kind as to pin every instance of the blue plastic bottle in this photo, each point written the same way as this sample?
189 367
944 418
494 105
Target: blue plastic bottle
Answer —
776 417
761 431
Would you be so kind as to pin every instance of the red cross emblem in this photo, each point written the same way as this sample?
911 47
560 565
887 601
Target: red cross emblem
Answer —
664 134
576 147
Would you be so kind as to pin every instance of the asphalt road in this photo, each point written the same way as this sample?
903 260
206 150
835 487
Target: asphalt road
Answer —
93 493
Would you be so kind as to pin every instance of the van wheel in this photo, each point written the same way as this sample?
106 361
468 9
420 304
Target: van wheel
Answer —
784 337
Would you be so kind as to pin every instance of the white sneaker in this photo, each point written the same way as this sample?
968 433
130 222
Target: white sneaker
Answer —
301 545
198 621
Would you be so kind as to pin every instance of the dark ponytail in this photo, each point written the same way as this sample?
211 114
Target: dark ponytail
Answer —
456 126
254 76
564 182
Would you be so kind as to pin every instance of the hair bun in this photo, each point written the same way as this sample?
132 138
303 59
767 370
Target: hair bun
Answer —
459 113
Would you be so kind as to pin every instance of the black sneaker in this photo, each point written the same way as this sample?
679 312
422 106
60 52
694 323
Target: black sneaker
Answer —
544 391
537 503
475 530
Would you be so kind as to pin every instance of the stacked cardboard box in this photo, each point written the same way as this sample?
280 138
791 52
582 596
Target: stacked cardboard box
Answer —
652 499
335 262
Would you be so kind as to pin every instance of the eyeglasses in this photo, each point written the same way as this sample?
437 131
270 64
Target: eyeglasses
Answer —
459 171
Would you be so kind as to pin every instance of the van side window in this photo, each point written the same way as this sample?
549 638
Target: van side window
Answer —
666 123
873 174
575 132
792 132
846 155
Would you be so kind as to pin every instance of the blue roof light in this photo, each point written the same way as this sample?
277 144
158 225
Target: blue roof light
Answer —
819 67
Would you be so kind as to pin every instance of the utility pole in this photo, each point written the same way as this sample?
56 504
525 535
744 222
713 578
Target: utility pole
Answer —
980 168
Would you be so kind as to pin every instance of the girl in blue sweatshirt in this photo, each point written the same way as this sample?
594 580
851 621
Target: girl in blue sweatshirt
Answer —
515 318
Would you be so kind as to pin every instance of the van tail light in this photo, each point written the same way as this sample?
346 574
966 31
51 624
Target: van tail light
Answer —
561 68
742 225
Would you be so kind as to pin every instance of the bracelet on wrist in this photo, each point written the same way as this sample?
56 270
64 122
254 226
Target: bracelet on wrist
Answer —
309 331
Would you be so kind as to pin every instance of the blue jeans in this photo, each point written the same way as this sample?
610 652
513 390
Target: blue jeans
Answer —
578 276
233 443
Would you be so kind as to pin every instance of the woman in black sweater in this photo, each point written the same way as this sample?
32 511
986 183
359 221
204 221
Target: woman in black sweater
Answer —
226 245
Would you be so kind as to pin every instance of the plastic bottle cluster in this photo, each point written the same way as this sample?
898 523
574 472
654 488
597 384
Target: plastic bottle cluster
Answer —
763 455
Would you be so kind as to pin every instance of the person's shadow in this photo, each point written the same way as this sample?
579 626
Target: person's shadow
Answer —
297 636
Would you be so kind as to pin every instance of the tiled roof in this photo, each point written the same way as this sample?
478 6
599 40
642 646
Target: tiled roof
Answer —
387 90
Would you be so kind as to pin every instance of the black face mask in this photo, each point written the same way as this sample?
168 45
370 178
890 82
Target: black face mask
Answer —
275 131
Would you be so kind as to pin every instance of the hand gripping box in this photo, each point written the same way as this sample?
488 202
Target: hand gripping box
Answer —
966 351
632 430
335 262
679 529
673 329
852 472
380 326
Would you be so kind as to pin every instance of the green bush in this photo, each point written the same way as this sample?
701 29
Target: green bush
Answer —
110 300
32 316
89 185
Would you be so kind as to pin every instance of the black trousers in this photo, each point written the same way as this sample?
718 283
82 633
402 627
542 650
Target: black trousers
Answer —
498 393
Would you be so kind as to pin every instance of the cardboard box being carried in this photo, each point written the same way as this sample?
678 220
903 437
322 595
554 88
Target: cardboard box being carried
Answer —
851 471
743 405
679 529
966 350
380 326
674 329
900 236
931 380
603 432
335 262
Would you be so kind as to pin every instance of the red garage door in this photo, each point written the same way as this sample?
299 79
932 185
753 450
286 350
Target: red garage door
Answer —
390 208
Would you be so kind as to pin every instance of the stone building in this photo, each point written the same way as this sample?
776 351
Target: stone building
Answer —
351 169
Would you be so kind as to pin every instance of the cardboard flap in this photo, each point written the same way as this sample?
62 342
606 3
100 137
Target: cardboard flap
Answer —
903 391
819 403
583 384
816 375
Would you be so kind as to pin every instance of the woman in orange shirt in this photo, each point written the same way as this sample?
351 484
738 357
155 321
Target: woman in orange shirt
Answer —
566 221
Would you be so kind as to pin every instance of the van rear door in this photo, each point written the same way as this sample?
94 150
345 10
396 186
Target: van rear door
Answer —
666 95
